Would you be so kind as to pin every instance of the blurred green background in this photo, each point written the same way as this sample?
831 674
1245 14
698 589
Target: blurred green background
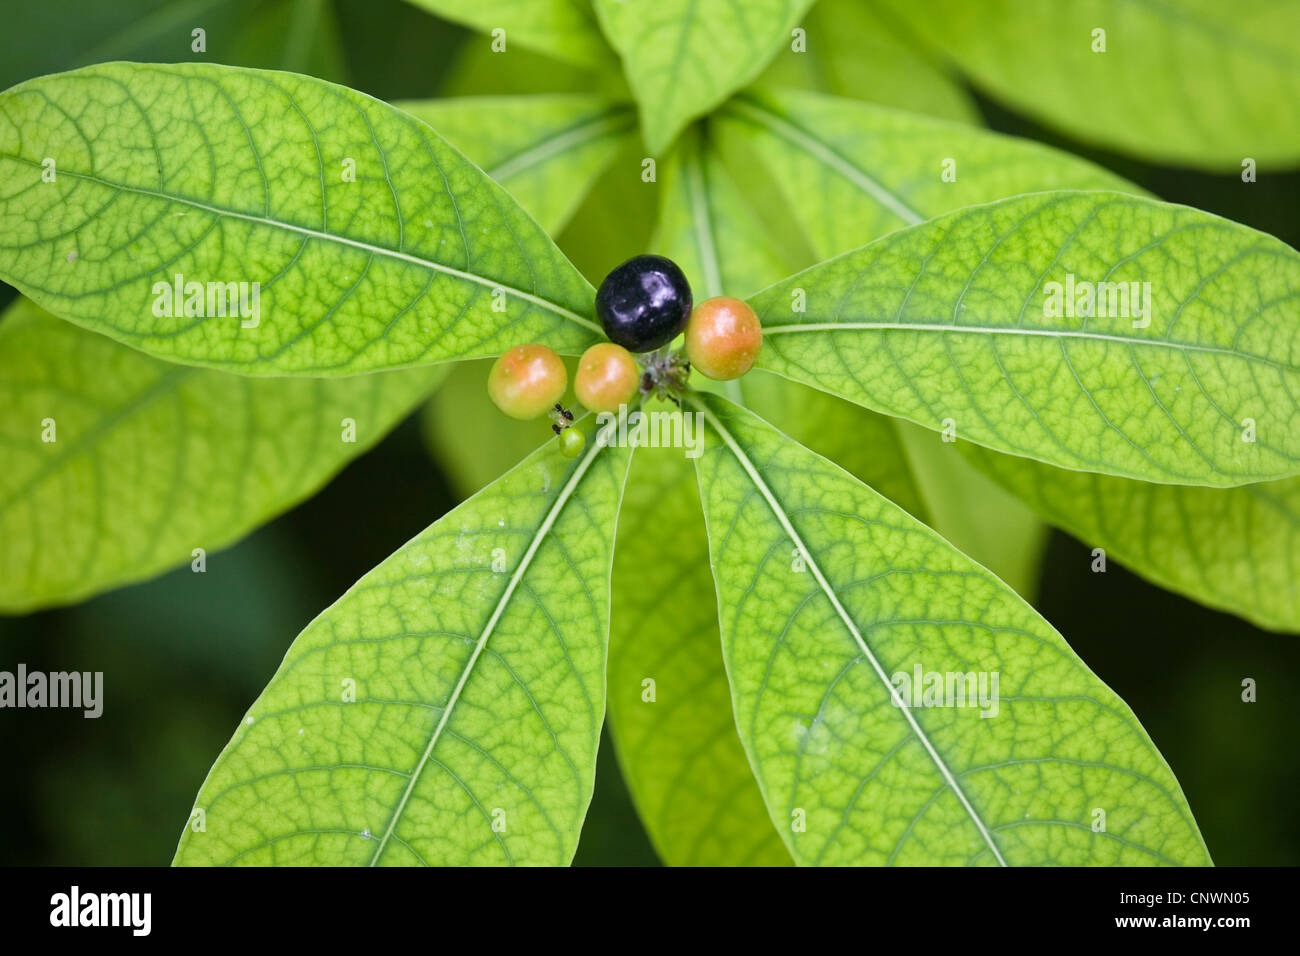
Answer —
183 656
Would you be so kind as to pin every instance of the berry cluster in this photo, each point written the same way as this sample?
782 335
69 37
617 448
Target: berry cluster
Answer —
643 305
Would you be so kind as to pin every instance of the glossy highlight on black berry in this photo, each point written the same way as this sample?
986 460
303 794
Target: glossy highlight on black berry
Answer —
644 303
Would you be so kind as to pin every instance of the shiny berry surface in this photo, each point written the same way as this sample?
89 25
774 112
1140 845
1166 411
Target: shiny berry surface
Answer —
644 303
607 377
572 441
527 381
723 338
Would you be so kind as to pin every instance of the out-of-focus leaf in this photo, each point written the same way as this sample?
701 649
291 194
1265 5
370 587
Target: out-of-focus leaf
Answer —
149 460
853 171
974 513
54 35
565 29
861 442
615 221
471 439
476 71
669 704
1197 82
683 57
301 36
676 736
707 227
546 150
853 49
1237 549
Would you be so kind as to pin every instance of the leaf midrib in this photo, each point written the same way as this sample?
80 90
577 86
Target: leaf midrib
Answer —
614 120
370 248
525 562
687 24
165 385
779 512
1020 330
701 212
1279 55
825 154
696 188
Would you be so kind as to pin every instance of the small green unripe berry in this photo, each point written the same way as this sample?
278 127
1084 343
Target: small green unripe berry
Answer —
572 441
607 377
723 338
527 381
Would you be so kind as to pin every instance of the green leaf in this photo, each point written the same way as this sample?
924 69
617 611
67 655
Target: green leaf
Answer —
853 772
1217 81
680 755
708 228
151 460
474 70
564 29
675 736
297 35
865 444
461 407
950 321
972 512
447 709
684 57
853 171
895 459
864 159
853 50
222 175
1237 549
545 149
615 221
301 36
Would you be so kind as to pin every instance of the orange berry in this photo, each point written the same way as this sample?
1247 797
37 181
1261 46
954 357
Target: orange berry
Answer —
607 377
723 338
527 380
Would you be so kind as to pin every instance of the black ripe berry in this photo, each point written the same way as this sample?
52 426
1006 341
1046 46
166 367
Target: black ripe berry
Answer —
644 303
